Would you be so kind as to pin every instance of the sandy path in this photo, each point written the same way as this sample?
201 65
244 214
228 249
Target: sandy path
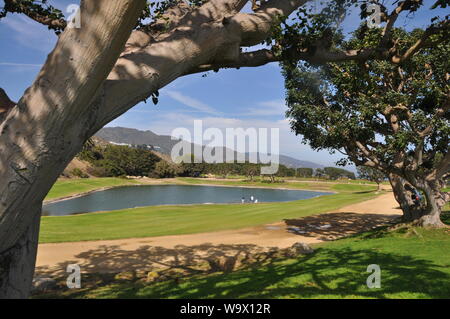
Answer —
113 255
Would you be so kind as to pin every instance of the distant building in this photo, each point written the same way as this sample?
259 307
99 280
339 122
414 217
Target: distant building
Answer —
139 146
121 144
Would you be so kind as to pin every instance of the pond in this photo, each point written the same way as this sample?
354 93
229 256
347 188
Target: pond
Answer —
137 196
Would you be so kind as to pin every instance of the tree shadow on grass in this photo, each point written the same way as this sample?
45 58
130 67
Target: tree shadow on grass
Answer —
114 259
327 273
336 225
112 264
445 216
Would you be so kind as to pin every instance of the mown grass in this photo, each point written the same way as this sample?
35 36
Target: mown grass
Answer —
185 219
69 187
325 186
414 264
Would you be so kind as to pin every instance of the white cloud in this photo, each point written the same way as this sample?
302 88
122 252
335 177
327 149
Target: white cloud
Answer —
266 108
20 64
29 33
165 123
191 102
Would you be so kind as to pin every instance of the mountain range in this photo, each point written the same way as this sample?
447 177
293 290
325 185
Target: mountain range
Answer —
164 144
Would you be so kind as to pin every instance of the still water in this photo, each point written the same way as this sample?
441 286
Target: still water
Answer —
137 196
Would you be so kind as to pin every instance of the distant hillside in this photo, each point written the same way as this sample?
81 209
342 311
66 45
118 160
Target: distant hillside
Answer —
295 163
164 143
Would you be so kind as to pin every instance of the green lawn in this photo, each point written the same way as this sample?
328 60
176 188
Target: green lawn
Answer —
69 187
187 219
64 188
414 263
312 185
174 220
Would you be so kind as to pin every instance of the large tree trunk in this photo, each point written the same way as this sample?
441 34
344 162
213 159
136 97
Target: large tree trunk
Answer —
403 197
49 125
431 216
84 85
18 262
426 216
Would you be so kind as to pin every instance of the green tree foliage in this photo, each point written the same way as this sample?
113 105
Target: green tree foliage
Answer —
390 116
320 173
164 169
371 174
118 160
251 170
79 173
305 172
336 173
284 171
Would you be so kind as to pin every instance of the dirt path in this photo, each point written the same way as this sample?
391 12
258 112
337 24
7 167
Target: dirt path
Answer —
123 254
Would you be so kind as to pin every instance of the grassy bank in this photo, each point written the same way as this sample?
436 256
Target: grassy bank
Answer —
69 187
174 220
414 264
307 185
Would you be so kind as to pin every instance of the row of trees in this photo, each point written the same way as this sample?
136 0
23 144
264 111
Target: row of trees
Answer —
120 160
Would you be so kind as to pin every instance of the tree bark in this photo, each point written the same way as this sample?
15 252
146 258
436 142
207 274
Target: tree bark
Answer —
49 125
428 216
379 189
403 197
431 216
83 85
18 262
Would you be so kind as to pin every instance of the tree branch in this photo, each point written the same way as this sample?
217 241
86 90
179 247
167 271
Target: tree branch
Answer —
392 18
5 102
422 42
245 59
18 6
256 27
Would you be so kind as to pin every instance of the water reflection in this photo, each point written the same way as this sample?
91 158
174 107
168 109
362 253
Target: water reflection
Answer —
137 196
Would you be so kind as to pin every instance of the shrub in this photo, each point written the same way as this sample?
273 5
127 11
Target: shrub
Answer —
164 169
79 173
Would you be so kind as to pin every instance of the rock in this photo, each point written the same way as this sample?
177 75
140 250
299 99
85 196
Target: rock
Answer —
298 249
222 263
216 263
303 248
141 273
43 284
240 261
276 253
152 276
127 275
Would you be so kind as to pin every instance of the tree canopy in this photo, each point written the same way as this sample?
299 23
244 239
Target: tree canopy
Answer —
390 116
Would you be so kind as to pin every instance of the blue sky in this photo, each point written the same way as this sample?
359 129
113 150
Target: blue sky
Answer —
250 97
